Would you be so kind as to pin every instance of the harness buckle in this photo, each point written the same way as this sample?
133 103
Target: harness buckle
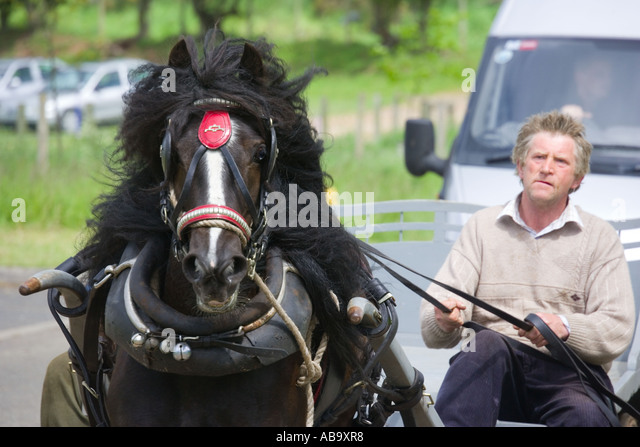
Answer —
91 391
178 249
430 399
251 270
256 252
108 274
165 206
113 270
164 213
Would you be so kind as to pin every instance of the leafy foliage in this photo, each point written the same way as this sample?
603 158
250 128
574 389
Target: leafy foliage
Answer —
336 37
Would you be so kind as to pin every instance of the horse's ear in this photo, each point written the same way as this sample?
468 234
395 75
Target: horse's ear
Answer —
252 61
179 56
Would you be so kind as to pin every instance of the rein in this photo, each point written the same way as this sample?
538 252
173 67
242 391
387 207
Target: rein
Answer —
559 350
311 369
372 253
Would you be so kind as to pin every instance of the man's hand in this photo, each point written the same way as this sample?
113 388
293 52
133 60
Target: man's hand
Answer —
555 324
453 320
576 112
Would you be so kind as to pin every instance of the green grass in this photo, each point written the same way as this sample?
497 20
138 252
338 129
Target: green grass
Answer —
56 195
379 170
44 209
58 201
30 245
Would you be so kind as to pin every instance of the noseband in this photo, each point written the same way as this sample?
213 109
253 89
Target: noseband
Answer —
214 134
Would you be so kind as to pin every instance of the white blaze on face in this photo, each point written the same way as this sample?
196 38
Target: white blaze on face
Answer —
213 168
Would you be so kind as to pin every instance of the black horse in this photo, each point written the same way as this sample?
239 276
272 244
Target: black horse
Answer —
214 315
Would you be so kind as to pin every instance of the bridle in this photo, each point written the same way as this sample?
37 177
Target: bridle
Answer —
214 133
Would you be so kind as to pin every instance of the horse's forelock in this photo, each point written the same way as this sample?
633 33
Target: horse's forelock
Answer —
247 73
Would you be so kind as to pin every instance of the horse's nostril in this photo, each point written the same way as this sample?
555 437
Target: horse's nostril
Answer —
229 273
234 270
191 268
240 265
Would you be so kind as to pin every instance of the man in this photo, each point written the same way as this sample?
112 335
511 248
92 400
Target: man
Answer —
538 254
592 82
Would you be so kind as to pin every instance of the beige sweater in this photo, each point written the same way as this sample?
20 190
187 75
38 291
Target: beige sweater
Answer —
577 272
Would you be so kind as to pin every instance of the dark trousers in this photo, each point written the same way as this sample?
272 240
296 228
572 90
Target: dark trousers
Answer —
497 381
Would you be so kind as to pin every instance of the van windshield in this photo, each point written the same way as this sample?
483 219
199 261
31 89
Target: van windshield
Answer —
596 81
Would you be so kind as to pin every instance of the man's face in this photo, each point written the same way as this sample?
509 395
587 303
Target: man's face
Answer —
594 80
548 172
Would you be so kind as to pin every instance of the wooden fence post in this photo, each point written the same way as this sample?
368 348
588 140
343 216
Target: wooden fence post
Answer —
88 123
324 115
359 136
377 106
395 112
426 108
43 137
21 120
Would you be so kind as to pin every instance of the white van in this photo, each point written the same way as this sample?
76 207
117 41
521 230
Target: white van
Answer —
540 55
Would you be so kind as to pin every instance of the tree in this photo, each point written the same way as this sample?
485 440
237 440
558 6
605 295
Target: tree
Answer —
142 9
384 11
36 12
421 9
5 12
143 18
211 13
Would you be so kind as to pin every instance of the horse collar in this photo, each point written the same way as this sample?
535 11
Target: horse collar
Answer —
254 344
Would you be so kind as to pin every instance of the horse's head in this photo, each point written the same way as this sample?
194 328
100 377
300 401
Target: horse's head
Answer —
215 165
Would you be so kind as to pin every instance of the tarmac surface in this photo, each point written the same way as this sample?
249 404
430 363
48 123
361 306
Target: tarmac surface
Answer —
29 339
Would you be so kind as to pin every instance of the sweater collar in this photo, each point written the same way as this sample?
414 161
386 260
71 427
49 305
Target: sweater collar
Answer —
570 214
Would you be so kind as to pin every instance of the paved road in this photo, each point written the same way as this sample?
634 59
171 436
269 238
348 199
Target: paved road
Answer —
29 339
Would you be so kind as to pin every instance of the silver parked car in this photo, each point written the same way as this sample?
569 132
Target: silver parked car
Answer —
23 79
94 88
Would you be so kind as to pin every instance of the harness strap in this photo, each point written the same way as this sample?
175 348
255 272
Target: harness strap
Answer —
568 357
215 215
88 359
240 182
186 187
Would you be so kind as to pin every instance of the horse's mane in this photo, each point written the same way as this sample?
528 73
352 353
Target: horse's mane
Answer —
327 258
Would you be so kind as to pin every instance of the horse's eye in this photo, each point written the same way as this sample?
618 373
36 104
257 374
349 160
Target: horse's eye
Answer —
260 154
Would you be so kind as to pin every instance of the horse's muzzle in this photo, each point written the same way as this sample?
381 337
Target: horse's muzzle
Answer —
215 272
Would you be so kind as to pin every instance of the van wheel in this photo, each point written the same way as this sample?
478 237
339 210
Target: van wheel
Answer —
71 121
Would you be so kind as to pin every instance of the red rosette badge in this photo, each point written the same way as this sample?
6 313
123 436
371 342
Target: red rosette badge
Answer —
215 129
